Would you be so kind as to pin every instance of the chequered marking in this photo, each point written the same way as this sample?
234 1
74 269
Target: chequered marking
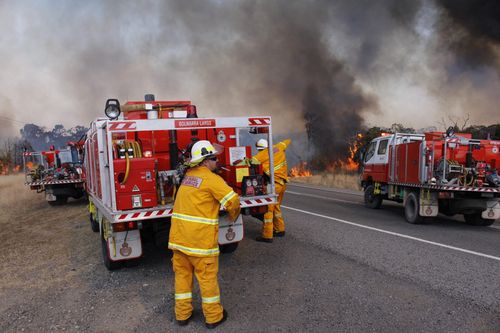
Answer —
259 121
122 126
451 188
53 182
151 214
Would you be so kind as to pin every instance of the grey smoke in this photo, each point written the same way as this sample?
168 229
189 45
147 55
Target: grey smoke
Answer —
316 65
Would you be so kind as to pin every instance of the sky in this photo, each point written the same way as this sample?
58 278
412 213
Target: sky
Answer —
328 67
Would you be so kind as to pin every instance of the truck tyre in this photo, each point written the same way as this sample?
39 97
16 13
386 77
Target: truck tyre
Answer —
93 223
476 219
110 265
60 200
412 207
372 200
228 248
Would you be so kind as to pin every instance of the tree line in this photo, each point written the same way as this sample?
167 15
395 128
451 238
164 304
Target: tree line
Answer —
37 138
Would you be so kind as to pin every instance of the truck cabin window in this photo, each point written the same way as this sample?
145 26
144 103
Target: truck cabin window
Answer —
382 147
370 151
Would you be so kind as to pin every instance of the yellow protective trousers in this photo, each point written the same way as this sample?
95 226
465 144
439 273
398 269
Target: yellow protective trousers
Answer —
273 220
205 269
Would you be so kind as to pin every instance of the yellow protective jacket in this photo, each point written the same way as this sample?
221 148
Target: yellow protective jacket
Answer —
280 167
195 222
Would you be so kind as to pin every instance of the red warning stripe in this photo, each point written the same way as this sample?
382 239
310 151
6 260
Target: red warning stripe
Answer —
264 121
168 212
122 126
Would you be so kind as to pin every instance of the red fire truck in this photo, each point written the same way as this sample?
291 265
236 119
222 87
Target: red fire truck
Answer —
134 161
57 172
434 173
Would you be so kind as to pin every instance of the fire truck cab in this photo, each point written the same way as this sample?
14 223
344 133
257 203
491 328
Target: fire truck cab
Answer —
376 158
135 160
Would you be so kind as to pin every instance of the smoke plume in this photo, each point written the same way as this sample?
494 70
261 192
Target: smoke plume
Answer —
325 67
473 29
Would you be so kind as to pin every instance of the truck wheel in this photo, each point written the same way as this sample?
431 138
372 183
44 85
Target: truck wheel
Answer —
60 200
372 200
476 219
93 223
228 248
412 207
110 265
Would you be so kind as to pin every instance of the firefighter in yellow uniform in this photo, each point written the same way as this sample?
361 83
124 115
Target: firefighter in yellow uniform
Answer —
194 234
273 225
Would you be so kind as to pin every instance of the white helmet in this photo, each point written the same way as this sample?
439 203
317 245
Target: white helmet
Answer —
200 150
261 144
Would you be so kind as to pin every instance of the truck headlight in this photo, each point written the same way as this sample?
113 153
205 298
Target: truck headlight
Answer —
112 109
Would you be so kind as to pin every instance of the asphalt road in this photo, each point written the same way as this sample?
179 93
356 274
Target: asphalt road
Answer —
441 261
340 268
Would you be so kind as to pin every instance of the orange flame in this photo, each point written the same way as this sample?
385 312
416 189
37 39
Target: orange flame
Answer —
300 170
5 170
348 164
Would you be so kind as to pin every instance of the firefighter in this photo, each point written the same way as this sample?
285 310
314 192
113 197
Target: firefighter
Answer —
51 157
273 225
194 234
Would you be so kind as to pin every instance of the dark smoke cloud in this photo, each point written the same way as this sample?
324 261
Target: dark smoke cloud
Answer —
273 56
473 31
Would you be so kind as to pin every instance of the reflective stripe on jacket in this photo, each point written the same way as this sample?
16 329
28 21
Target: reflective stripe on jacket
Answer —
280 166
195 218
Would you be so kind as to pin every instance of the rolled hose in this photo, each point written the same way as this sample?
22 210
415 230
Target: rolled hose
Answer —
127 170
136 148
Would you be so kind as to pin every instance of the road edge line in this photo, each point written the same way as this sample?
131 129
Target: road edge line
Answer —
396 234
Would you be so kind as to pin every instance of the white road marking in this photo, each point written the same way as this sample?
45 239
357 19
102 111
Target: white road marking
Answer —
396 234
322 197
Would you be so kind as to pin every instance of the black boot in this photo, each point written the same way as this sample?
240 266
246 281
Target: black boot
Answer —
214 325
279 234
183 322
265 240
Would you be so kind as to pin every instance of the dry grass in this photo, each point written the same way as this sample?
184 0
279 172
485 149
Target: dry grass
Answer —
28 225
14 194
346 180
